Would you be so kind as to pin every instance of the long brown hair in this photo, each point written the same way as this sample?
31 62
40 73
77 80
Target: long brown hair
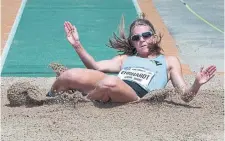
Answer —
123 44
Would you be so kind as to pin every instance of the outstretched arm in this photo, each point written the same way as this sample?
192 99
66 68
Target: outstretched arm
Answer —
112 65
201 78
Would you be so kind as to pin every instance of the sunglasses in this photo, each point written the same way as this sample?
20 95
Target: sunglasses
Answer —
145 35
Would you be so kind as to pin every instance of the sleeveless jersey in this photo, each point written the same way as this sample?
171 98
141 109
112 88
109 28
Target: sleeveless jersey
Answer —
150 74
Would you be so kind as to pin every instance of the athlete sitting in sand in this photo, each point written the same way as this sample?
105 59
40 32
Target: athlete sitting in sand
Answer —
142 68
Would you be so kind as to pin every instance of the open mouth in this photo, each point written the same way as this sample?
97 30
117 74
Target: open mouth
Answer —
143 46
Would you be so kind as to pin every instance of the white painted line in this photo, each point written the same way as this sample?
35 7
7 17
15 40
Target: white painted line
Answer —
136 5
11 34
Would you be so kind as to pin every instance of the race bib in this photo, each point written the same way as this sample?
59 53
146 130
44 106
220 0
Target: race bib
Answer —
138 75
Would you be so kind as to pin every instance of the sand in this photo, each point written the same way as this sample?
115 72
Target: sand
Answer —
171 119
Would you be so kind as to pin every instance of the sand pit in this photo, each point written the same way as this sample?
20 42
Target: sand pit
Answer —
72 118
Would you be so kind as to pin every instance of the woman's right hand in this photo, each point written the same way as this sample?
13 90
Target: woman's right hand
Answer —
72 34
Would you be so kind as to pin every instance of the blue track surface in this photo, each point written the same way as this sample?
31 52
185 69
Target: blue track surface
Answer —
40 37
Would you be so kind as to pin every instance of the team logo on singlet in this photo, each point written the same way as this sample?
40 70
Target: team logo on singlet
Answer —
157 63
138 75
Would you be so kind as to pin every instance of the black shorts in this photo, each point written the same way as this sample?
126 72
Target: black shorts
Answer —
137 88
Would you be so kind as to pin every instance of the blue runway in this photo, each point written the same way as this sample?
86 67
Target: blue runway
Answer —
40 37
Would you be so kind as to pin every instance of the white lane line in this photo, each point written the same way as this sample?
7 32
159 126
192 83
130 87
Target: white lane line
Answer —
137 7
11 35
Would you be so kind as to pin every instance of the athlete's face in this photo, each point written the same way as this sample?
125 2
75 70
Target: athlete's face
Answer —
142 39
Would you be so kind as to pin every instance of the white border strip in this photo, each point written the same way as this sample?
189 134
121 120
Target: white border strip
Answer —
136 5
11 34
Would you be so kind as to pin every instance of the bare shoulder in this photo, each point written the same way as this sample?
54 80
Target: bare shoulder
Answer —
171 58
172 61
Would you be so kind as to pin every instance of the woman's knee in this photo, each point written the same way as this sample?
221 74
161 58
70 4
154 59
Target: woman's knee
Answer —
104 88
109 82
70 76
107 85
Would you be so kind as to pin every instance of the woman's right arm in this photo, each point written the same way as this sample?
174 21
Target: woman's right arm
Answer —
112 65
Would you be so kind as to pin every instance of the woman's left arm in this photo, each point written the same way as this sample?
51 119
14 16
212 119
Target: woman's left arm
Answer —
176 76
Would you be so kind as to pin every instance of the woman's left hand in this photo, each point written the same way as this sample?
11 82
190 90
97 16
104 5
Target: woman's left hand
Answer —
205 75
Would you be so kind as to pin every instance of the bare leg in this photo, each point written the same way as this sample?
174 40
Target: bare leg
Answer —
83 80
59 69
112 87
96 84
